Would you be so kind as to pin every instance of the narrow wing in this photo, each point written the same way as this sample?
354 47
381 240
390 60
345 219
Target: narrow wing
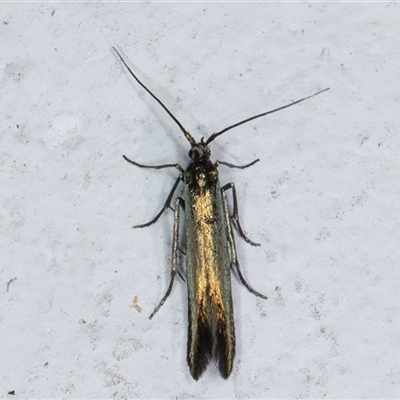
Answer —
211 325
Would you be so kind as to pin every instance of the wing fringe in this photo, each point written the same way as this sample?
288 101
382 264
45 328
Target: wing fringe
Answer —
210 338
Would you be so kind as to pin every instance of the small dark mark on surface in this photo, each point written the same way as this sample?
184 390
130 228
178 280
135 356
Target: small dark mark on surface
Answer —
135 305
9 282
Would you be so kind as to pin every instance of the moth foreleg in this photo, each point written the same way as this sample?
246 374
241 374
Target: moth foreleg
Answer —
177 166
235 166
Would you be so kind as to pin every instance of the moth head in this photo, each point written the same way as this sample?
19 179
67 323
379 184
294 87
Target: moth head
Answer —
200 151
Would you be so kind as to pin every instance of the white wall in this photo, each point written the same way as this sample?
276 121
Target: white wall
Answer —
323 201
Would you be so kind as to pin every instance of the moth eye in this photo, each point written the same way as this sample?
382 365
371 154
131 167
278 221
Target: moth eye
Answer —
190 153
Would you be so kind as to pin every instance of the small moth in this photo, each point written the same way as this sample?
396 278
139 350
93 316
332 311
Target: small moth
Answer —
210 247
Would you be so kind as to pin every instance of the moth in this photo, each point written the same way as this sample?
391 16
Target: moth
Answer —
210 251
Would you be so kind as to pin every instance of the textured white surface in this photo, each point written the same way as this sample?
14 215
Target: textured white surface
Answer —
323 201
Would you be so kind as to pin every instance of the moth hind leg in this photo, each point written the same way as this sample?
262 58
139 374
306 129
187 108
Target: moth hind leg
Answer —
174 263
234 257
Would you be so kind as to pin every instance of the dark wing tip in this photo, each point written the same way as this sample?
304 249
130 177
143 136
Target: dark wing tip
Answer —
197 371
199 348
224 352
211 337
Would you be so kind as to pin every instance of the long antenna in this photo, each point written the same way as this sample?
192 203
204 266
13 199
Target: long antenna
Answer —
215 135
188 136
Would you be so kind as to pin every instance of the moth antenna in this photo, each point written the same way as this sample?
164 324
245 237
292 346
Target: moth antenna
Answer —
188 136
215 135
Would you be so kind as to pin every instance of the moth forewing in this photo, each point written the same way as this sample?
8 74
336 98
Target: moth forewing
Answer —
211 323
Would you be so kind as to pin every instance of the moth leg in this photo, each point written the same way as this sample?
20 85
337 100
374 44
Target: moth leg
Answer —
235 166
174 263
166 205
182 204
177 166
235 215
234 257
